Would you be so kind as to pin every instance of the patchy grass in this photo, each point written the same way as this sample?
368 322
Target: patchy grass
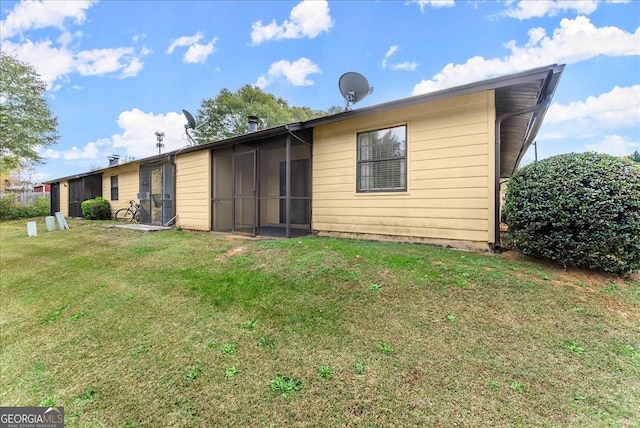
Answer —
285 386
325 372
231 372
385 348
130 329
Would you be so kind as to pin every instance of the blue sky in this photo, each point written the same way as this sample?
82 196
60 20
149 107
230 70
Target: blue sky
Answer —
117 71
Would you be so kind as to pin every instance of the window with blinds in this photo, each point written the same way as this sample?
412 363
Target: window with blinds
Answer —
114 187
382 160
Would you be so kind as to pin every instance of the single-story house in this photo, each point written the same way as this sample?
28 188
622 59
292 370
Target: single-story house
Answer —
423 169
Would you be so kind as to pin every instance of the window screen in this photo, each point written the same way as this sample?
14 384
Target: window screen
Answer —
114 187
382 160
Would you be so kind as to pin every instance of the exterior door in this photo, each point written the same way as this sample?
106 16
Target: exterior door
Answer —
55 198
76 197
157 194
244 193
222 201
150 195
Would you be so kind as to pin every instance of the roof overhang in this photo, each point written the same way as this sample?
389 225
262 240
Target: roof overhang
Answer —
520 110
74 177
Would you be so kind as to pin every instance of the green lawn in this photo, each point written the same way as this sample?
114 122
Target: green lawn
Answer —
175 328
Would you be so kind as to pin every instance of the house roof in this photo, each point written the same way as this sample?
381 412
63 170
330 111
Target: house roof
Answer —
245 138
84 174
522 100
516 94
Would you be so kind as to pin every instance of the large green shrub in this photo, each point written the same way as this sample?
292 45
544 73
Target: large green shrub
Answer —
578 209
96 209
10 209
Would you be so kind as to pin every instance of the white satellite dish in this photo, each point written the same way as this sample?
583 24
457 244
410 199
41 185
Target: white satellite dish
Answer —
354 87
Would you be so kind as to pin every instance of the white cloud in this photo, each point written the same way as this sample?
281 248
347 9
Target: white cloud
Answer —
262 82
52 63
55 61
104 61
137 138
583 125
407 66
526 9
199 52
393 49
50 154
295 72
132 69
307 19
574 41
138 37
184 41
618 107
433 3
614 145
196 52
90 151
33 15
66 37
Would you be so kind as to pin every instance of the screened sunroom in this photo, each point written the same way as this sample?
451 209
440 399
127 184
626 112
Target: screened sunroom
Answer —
263 187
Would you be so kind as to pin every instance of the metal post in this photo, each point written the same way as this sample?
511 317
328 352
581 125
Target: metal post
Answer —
287 179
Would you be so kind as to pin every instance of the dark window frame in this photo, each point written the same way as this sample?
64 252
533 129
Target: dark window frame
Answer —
115 192
378 162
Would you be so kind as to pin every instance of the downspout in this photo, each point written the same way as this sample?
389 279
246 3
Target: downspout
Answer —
171 158
544 103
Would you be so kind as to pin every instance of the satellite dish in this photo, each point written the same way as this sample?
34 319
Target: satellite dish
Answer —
191 122
353 87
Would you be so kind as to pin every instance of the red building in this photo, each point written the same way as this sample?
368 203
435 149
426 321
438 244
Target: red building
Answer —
39 188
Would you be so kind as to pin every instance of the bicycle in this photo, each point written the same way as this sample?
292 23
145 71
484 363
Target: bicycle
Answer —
129 214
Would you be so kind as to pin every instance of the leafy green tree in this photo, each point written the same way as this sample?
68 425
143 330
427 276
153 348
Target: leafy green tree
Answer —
26 122
226 115
635 156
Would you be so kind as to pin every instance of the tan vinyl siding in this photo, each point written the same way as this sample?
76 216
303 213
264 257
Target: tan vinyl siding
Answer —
64 198
449 174
128 185
193 190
